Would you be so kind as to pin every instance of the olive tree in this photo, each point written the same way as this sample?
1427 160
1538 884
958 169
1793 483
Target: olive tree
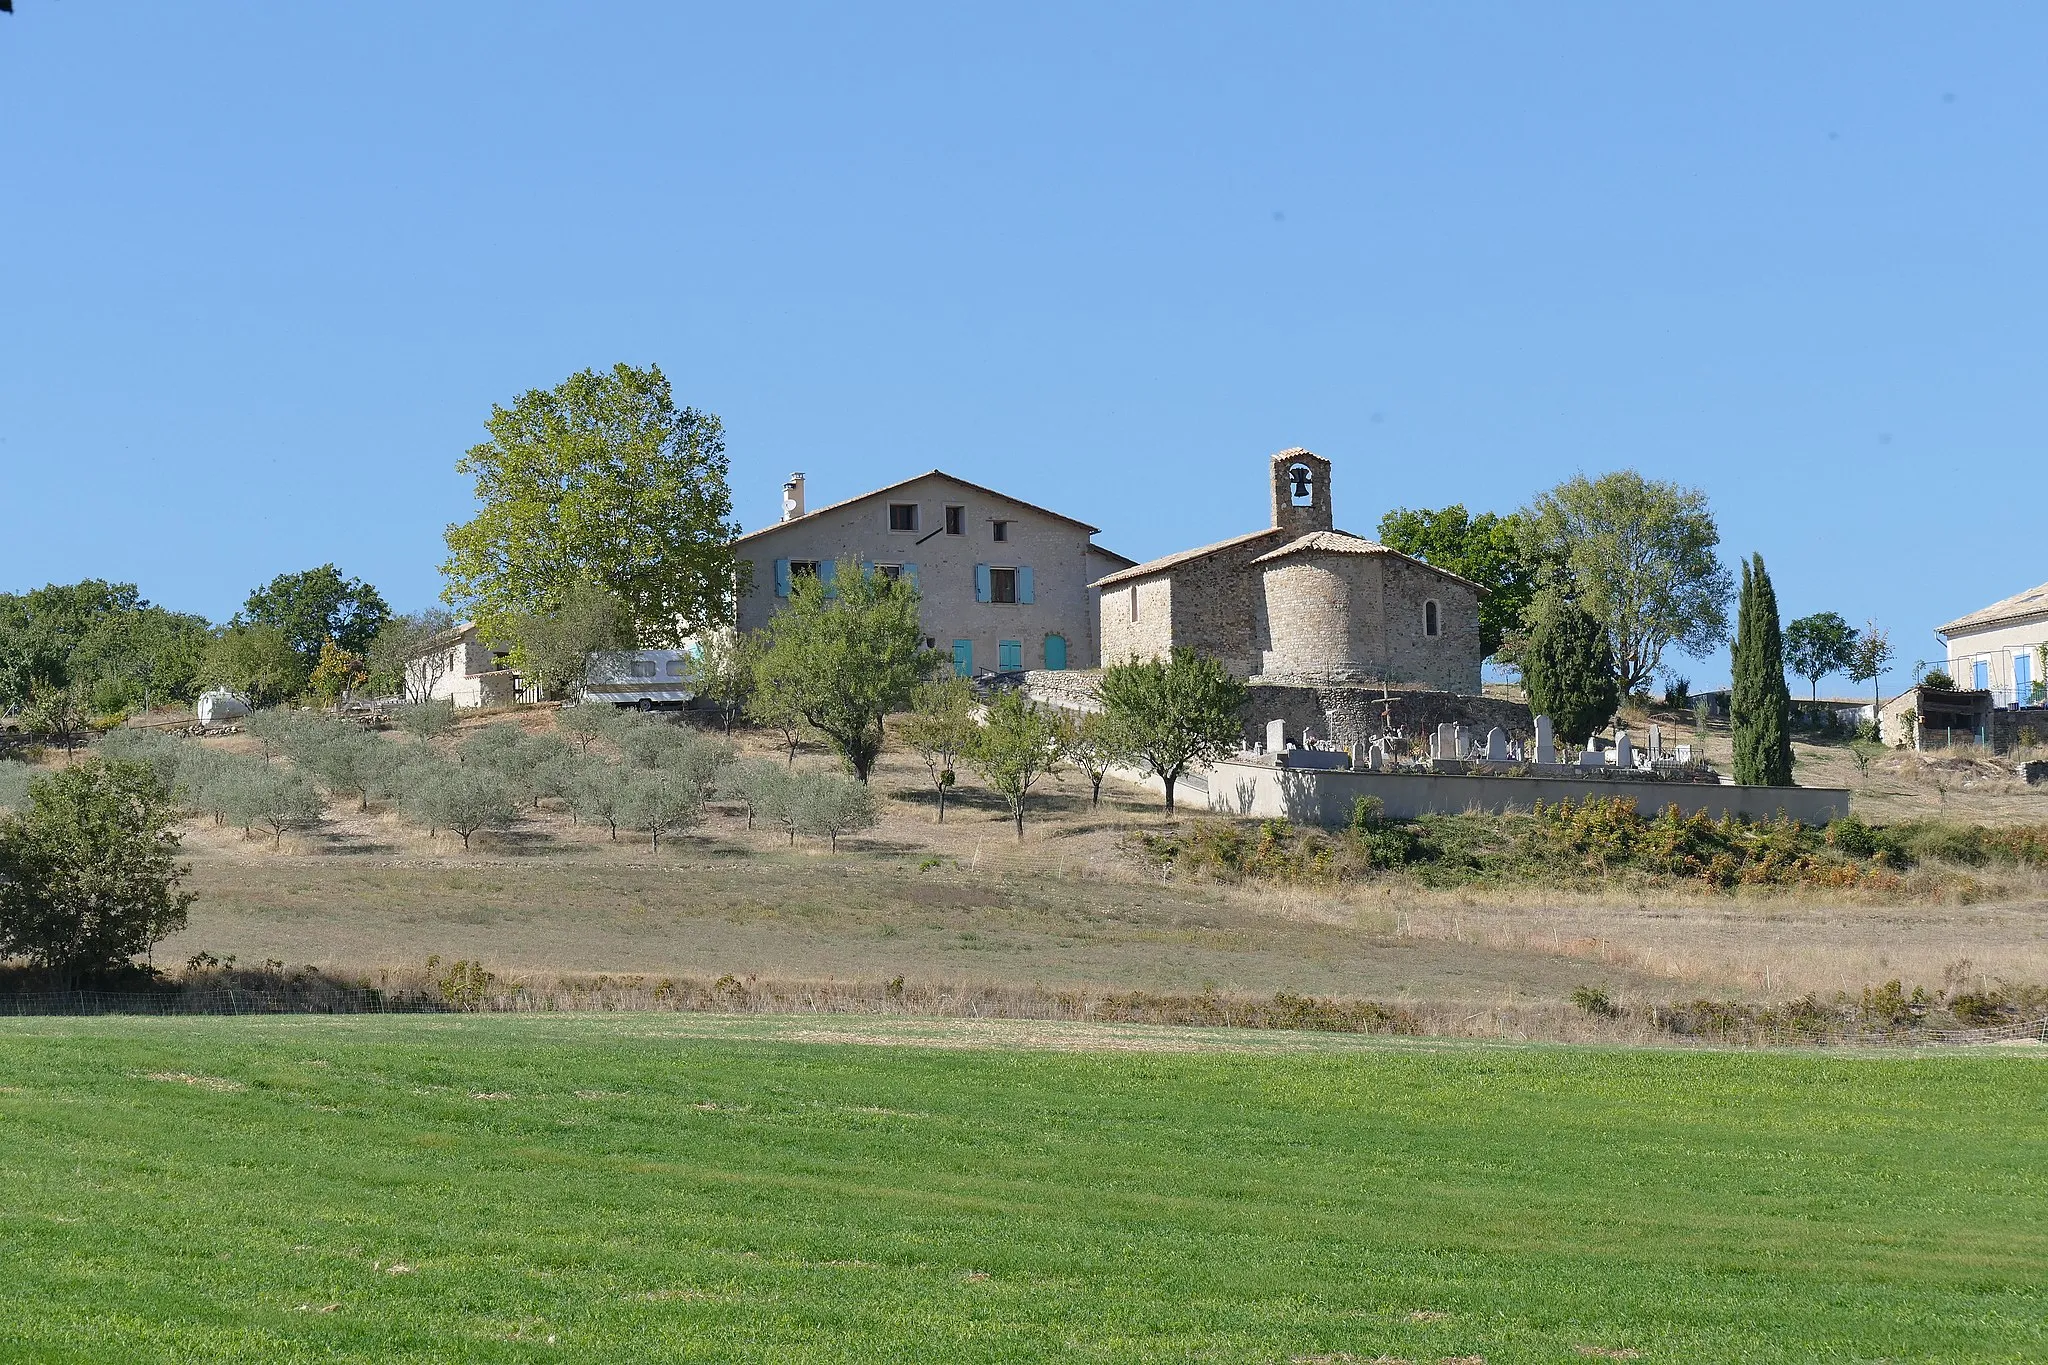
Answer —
939 729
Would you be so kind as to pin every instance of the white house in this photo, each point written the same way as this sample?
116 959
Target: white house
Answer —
458 666
1997 649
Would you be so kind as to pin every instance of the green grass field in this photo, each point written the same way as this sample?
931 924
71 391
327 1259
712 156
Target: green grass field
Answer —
642 1188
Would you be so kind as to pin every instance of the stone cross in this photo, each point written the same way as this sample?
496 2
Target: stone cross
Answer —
1546 751
1497 745
1624 752
1276 736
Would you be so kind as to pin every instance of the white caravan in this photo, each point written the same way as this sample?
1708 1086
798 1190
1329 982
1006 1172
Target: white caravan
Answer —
646 678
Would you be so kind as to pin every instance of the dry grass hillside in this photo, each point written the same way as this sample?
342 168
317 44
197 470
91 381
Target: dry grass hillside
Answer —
1071 904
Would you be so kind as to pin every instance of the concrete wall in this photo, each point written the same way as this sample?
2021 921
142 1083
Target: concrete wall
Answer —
1058 552
1325 798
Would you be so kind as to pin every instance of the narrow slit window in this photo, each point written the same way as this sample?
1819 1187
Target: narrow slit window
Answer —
956 521
1429 621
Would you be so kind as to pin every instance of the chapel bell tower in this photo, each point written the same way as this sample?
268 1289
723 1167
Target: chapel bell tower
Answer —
1301 492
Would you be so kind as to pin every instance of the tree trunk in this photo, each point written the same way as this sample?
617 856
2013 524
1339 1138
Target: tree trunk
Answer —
942 804
1095 797
1020 819
1169 781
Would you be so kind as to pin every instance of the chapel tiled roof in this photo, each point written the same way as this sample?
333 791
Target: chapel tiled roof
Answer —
1152 566
2032 602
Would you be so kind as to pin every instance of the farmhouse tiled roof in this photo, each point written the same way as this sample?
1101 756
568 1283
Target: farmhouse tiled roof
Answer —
1153 566
2032 602
902 483
1344 543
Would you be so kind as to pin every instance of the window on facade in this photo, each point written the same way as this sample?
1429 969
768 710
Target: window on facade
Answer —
956 521
903 516
1134 601
1002 584
1429 623
803 568
1002 530
892 572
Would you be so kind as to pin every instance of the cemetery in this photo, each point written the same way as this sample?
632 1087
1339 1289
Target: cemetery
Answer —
1293 776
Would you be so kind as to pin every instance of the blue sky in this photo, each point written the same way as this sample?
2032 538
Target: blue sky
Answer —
268 266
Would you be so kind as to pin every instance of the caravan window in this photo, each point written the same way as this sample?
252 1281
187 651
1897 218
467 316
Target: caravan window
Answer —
678 668
641 668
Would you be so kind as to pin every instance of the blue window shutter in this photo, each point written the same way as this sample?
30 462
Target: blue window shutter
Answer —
867 568
1055 651
782 578
963 658
981 583
1983 675
827 571
910 572
1024 585
1009 655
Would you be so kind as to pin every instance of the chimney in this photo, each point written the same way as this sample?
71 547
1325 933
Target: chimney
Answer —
793 497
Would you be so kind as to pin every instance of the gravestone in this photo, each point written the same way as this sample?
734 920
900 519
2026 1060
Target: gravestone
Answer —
1276 736
1592 758
1624 751
1464 737
1656 742
1546 750
1445 745
1497 746
1376 758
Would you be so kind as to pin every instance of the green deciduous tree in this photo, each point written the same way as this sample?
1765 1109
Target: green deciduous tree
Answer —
88 871
315 606
1098 745
1868 661
1818 645
1174 713
1568 669
256 661
846 651
601 478
1487 549
1016 744
939 729
553 647
1759 704
1639 556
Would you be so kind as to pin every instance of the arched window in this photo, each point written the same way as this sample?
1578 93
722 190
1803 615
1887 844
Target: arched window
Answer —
1429 618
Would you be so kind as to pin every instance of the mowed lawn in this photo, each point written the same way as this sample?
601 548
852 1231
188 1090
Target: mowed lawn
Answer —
638 1188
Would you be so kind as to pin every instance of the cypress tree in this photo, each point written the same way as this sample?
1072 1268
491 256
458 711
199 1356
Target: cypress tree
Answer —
1759 699
1568 671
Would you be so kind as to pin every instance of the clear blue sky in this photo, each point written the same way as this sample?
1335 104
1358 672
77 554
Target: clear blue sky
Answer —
267 267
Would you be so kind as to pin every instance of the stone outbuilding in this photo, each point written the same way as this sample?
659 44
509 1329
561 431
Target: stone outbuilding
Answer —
1300 602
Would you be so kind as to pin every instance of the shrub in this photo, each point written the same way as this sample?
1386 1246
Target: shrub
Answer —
464 798
88 876
764 787
426 720
1594 1001
661 802
829 805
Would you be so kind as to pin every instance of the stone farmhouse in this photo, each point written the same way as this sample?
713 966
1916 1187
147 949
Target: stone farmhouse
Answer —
1997 649
1004 583
1300 602
457 666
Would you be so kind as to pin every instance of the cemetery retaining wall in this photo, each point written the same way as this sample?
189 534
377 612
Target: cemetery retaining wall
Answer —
1256 788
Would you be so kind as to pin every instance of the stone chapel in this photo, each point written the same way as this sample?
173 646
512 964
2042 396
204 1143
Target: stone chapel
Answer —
1300 602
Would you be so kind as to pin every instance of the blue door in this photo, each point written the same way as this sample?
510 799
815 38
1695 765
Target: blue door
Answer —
1009 655
963 658
2022 679
1055 651
1982 672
